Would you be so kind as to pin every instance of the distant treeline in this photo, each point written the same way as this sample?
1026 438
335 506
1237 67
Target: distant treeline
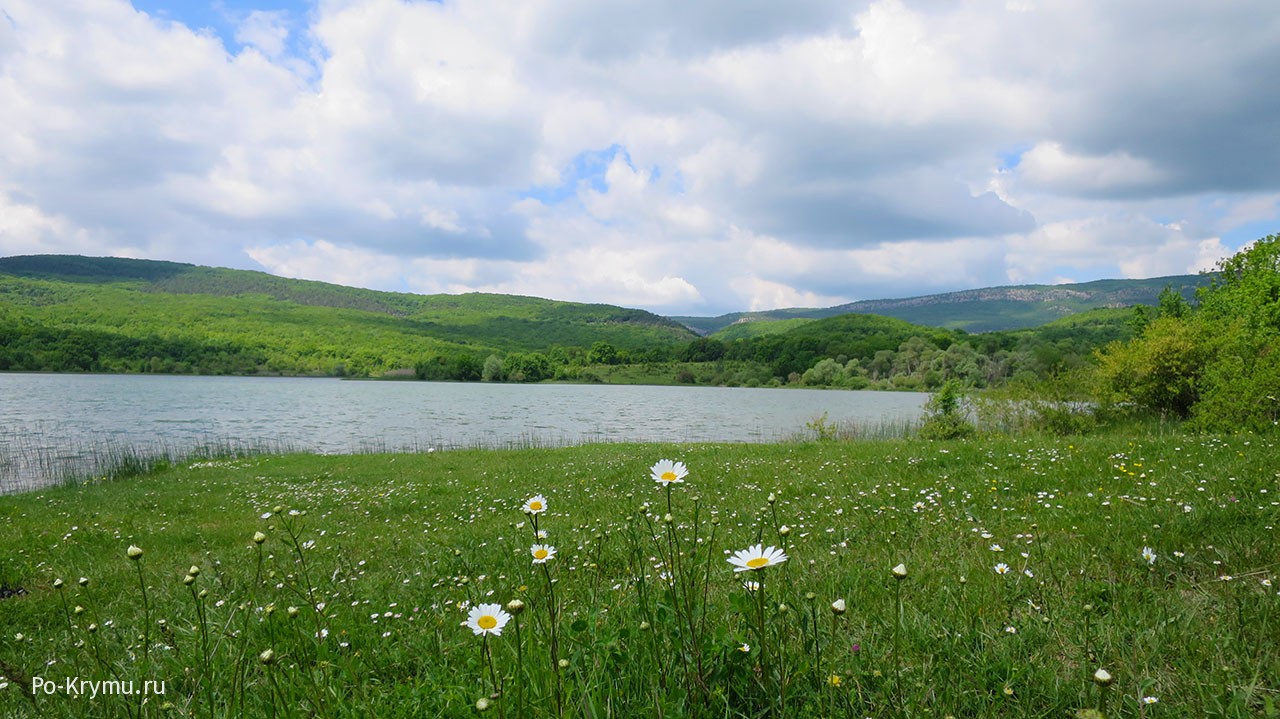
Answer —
849 351
33 348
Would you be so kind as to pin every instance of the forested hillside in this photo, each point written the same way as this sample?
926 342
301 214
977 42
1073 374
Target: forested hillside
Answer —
79 314
67 313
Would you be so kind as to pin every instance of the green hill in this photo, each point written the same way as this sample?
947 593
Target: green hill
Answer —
72 313
748 328
983 310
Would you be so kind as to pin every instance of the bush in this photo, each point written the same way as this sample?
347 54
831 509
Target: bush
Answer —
1240 389
945 415
1159 372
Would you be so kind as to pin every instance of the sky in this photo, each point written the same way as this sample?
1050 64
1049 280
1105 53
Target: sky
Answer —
688 158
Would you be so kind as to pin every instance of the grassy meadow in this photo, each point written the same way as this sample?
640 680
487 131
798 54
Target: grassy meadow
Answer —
1007 577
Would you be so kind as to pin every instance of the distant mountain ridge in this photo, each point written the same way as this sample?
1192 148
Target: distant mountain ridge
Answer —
988 309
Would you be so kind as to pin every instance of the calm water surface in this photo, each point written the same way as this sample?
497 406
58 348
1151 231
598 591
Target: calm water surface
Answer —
52 421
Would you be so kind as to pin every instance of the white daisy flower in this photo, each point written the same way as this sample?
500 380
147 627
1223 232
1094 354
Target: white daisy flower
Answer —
536 505
1149 555
487 619
1002 568
756 557
542 552
666 472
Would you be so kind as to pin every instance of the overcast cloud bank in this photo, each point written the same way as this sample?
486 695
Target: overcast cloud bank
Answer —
687 158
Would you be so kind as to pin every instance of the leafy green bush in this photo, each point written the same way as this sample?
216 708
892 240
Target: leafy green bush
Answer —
945 414
1218 365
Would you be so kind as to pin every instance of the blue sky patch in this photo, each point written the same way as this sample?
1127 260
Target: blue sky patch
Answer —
1012 157
587 169
223 17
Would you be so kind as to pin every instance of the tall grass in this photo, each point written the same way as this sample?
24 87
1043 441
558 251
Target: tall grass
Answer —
30 461
339 586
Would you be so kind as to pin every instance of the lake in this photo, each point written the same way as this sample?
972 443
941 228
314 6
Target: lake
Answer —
51 423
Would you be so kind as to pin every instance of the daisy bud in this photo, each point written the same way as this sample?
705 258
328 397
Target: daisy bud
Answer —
810 596
772 498
84 581
277 509
783 609
900 571
1103 677
667 518
838 607
188 580
514 607
57 584
194 571
644 626
93 628
268 657
482 704
292 612
784 530
259 537
563 663
134 552
204 593
78 610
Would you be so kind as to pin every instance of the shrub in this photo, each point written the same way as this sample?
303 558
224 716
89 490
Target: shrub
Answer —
945 416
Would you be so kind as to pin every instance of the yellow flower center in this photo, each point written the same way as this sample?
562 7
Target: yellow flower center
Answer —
535 506
758 562
487 622
669 476
540 554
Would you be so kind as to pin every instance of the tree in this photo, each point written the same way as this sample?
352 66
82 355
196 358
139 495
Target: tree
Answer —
528 367
492 371
824 374
603 353
1172 304
703 349
1247 286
